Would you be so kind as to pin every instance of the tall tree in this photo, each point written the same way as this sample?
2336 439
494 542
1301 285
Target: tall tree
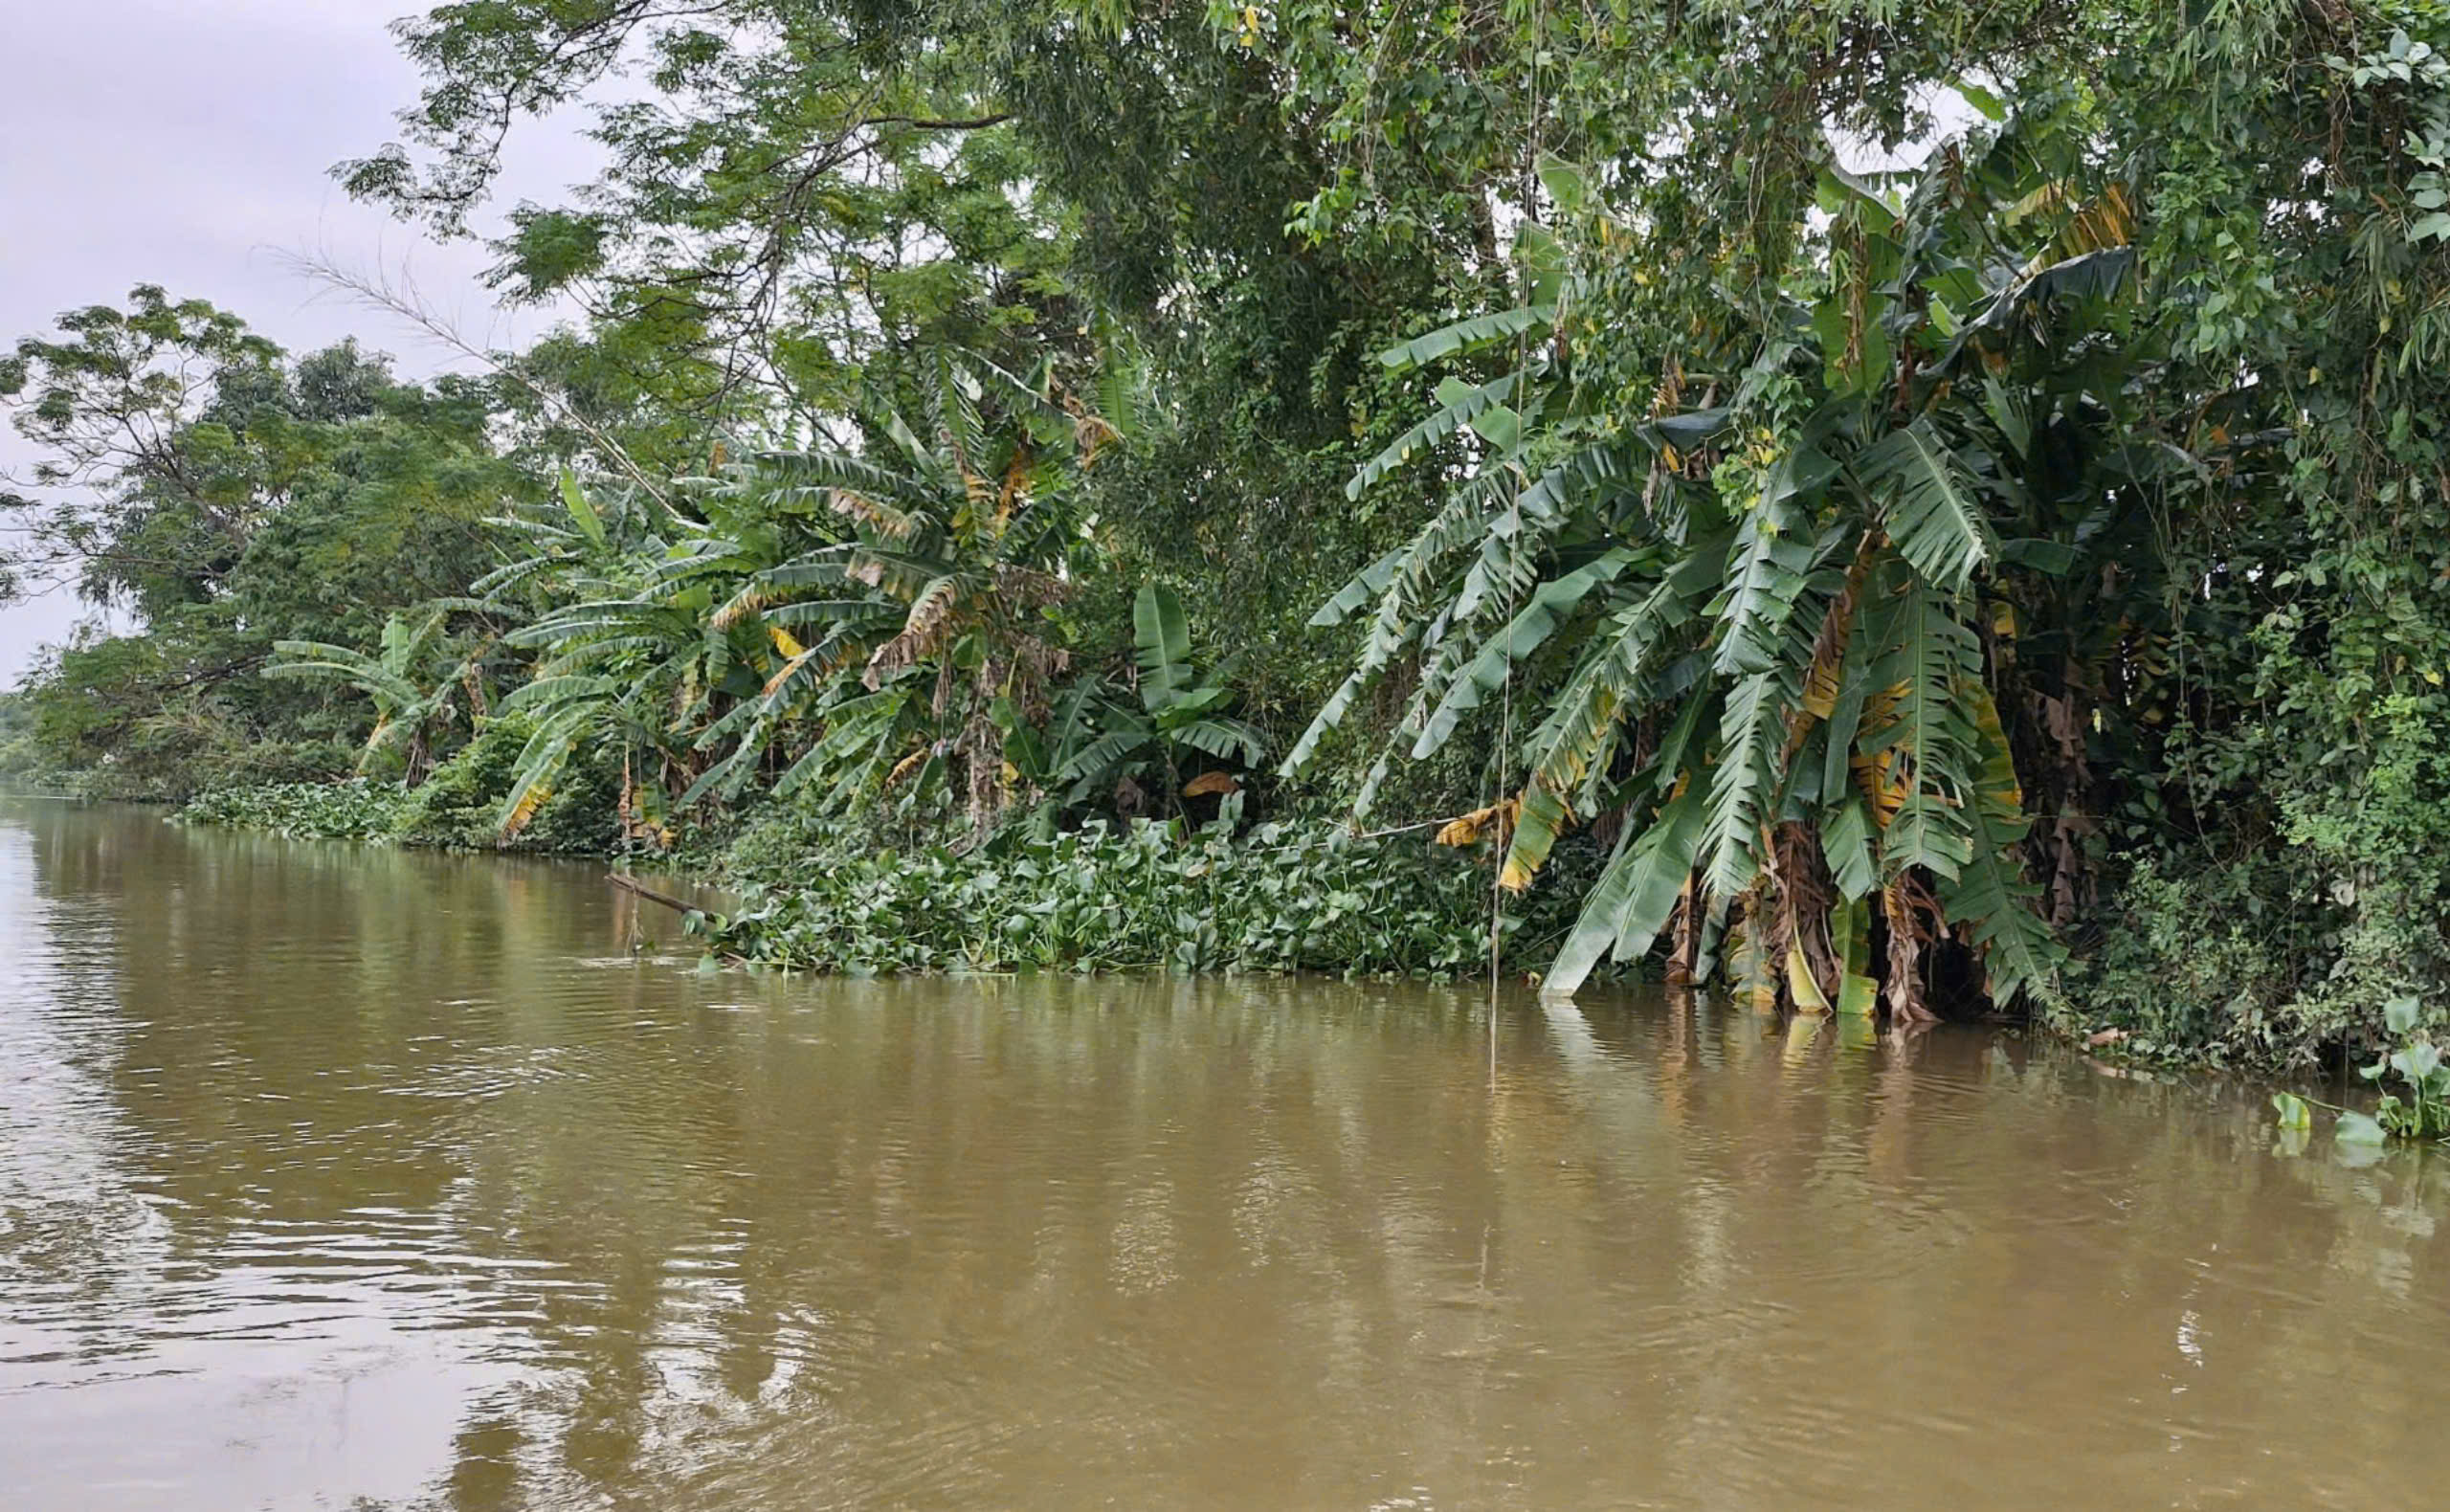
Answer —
229 497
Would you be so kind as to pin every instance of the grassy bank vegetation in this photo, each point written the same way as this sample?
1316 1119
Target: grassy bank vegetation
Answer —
1902 509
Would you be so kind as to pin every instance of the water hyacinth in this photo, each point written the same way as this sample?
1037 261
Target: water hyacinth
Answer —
1282 898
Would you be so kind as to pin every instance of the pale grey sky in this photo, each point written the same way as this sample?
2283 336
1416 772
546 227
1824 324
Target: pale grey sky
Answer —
187 143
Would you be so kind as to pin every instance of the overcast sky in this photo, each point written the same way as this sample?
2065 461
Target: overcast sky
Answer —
188 143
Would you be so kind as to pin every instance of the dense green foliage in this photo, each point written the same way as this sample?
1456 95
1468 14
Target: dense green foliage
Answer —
457 806
355 809
1888 505
1283 898
232 499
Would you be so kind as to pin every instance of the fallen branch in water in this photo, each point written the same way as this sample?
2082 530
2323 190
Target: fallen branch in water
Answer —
626 884
630 885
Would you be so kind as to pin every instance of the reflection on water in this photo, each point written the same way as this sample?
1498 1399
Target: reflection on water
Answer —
333 1177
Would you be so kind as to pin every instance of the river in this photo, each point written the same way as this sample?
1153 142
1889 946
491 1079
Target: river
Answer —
335 1176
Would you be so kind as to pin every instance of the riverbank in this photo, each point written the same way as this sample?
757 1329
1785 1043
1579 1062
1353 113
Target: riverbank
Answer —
1276 897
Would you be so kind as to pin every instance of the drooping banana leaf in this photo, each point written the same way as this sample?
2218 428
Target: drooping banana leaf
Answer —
1635 897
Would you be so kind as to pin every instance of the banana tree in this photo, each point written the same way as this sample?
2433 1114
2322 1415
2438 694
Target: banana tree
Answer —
616 660
926 602
1777 633
838 619
1101 743
414 681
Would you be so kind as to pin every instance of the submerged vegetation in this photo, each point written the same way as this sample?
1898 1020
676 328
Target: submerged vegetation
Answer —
1884 508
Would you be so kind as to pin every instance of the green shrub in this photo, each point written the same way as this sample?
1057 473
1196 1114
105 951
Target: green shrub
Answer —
298 760
2189 968
781 839
459 807
2278 953
51 782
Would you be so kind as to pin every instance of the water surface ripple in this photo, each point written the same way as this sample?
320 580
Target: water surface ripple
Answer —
346 1177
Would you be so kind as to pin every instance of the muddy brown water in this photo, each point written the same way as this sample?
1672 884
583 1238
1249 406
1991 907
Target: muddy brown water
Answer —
334 1176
